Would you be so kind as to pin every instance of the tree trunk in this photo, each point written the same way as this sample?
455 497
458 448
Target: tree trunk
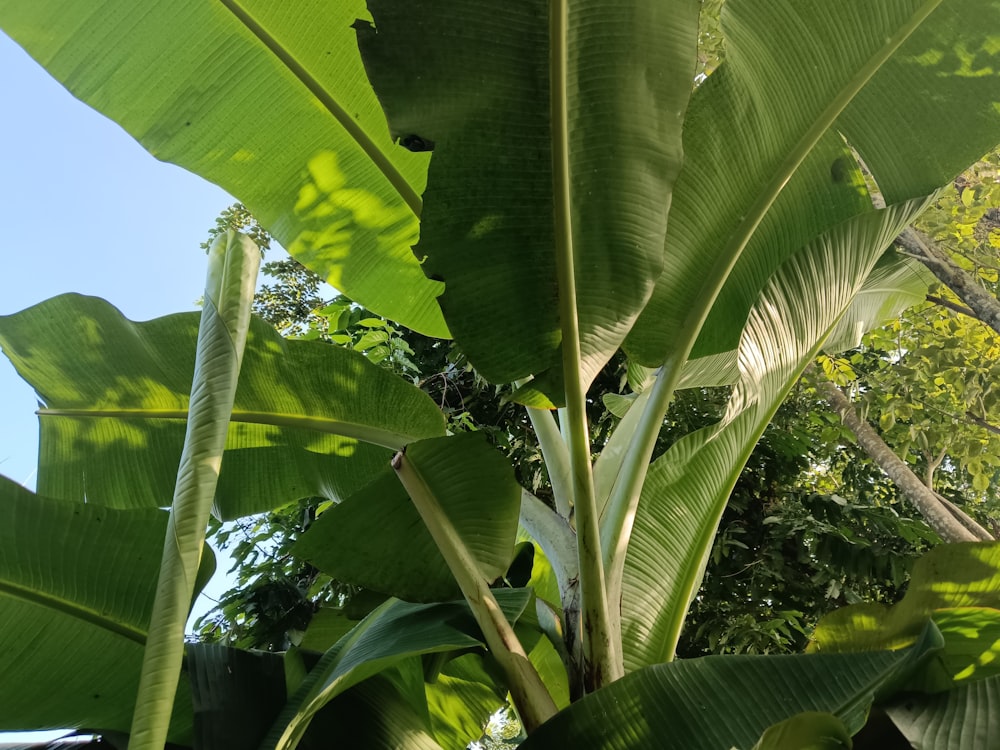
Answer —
985 306
938 515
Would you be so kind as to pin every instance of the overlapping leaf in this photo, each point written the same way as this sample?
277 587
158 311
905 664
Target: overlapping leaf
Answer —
717 703
896 282
392 633
115 395
765 165
268 100
688 487
238 694
958 585
461 700
385 712
809 730
967 716
76 590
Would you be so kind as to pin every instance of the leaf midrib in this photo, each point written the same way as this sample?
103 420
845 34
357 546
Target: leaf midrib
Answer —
74 610
328 425
343 118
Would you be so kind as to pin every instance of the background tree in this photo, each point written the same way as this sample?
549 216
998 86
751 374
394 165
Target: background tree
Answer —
928 380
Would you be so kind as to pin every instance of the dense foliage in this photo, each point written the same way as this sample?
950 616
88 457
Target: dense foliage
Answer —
636 249
811 524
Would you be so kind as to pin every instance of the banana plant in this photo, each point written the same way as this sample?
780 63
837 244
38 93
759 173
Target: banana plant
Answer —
544 182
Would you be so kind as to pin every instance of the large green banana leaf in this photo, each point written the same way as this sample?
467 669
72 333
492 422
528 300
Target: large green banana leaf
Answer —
460 700
687 488
765 163
376 539
76 589
309 419
272 103
720 703
461 694
269 100
482 85
958 586
385 712
896 282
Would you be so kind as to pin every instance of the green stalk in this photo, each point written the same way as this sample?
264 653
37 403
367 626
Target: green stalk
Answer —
602 661
608 466
225 319
619 515
555 456
531 698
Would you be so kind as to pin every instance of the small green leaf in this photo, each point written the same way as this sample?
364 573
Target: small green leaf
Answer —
809 730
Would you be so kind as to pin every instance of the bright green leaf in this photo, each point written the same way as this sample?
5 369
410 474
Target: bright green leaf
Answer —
810 730
115 397
270 103
785 165
958 585
686 490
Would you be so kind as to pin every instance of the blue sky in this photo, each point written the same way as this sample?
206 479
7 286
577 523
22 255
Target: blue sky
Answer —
85 209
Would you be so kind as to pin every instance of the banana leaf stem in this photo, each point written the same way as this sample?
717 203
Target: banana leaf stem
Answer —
531 698
556 458
602 661
616 525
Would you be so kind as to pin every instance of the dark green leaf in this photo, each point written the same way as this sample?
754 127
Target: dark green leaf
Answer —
473 84
377 540
76 591
717 703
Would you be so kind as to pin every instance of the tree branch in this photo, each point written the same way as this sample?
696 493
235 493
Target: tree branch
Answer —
937 515
965 519
979 421
962 309
984 305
